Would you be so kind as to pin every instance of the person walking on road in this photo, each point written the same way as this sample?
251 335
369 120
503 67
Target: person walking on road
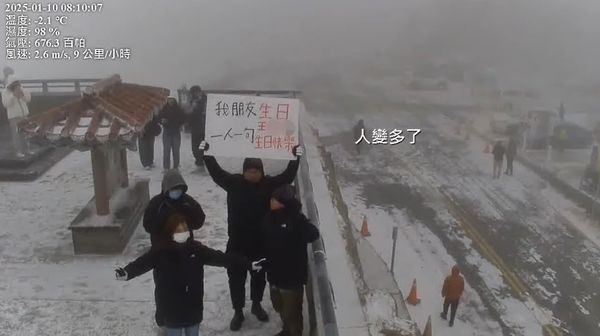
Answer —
197 122
358 132
287 232
248 196
172 199
511 153
454 286
171 118
178 262
498 153
146 143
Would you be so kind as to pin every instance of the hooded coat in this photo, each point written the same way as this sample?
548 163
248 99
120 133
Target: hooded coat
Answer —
179 279
286 234
247 203
172 118
454 285
16 107
162 206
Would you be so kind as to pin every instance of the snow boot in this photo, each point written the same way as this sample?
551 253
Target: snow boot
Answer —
236 321
260 313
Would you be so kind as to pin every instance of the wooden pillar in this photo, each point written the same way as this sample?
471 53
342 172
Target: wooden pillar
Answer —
101 188
124 171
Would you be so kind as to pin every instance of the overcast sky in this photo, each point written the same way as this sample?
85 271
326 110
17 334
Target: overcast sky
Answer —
201 41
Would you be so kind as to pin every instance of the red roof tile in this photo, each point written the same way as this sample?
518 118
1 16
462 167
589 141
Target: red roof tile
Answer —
109 110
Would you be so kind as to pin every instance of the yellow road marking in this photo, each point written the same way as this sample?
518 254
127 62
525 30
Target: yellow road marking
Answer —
513 281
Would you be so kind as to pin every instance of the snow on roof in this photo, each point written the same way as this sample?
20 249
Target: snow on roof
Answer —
109 110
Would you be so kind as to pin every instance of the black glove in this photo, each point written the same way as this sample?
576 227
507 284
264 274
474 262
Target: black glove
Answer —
121 274
297 151
203 146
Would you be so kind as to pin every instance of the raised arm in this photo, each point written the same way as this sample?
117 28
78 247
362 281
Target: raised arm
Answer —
141 265
287 176
222 178
26 96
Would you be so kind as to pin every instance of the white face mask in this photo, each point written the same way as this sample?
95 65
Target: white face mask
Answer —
181 237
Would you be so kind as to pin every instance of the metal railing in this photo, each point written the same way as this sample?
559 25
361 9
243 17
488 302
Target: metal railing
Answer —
319 290
56 87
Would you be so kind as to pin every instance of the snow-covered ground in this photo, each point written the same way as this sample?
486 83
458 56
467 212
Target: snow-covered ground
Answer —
47 291
517 232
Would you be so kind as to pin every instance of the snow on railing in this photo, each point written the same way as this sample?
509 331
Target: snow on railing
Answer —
56 87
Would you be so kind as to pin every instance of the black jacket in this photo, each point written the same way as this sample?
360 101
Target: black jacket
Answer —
162 206
179 279
197 117
286 235
247 203
172 118
152 129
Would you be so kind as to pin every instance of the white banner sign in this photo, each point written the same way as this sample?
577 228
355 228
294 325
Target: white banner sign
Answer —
251 126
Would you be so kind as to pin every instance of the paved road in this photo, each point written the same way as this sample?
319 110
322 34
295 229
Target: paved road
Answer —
511 222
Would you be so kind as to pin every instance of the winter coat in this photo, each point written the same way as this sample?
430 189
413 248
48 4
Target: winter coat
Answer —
15 107
286 234
162 206
498 152
152 129
179 279
172 118
197 117
247 203
454 285
511 149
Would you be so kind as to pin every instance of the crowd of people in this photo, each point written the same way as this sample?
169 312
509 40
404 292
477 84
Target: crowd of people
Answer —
499 152
169 122
268 237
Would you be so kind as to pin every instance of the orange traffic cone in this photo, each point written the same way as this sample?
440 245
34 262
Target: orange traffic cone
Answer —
428 331
364 230
412 297
487 148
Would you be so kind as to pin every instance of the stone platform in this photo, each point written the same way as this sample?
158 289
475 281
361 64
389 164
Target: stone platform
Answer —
30 167
93 234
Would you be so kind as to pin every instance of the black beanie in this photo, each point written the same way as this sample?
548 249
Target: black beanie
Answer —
285 194
253 163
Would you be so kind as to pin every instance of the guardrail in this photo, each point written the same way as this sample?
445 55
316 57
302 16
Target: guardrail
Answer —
322 308
56 87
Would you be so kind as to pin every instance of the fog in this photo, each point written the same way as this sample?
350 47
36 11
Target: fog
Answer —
215 42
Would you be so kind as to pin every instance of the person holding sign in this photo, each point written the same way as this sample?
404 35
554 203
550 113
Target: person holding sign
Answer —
248 197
